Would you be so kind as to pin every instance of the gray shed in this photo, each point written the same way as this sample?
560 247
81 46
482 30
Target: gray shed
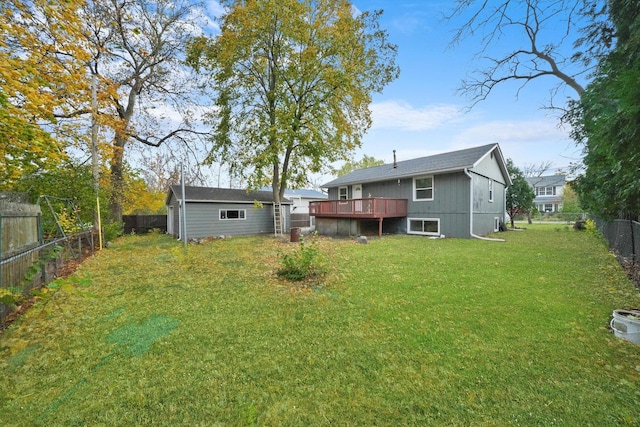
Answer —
213 212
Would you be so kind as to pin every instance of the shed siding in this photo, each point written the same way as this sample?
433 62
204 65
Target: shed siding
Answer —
176 216
203 219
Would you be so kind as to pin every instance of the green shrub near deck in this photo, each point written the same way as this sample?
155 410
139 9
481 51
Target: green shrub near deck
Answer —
402 331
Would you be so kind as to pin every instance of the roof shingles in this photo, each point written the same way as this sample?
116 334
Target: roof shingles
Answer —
208 194
451 161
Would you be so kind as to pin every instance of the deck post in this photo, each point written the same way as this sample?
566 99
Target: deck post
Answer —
380 227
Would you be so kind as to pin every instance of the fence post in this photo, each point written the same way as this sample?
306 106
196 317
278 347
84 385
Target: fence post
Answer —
1 248
42 259
633 242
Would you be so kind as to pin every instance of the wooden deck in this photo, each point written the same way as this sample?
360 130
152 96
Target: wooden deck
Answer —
371 208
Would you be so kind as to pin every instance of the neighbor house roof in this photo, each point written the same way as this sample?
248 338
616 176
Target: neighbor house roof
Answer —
301 192
547 181
305 194
439 163
208 194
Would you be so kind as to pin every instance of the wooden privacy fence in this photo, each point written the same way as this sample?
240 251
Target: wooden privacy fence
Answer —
19 227
300 220
27 261
141 224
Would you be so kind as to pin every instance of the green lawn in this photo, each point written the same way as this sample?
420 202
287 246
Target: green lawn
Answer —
403 331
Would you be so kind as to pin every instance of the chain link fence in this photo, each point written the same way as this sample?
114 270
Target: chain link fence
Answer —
32 268
29 259
623 236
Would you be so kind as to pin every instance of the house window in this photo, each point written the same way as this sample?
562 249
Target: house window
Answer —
491 190
546 191
343 193
232 214
426 226
423 188
496 224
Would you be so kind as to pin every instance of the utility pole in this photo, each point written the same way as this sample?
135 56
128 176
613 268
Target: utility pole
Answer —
97 223
183 209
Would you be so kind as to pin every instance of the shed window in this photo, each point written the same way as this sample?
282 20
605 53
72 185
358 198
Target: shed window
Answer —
426 226
423 188
232 214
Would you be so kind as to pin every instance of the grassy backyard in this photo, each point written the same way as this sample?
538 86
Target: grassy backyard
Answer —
402 331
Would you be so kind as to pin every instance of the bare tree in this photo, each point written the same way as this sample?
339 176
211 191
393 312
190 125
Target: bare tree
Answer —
543 53
536 170
145 87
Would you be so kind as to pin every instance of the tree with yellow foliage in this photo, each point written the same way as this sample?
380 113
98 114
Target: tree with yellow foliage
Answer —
42 79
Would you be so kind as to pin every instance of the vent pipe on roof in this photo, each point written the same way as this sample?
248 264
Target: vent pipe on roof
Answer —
395 164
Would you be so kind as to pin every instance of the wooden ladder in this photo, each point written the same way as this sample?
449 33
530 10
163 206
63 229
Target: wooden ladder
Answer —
278 221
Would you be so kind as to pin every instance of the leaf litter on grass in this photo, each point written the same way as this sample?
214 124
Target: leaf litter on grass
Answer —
416 338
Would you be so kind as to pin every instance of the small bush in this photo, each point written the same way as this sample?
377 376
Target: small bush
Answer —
303 263
112 230
590 226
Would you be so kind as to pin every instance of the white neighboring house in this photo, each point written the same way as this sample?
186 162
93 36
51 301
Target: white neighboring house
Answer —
300 207
301 199
548 191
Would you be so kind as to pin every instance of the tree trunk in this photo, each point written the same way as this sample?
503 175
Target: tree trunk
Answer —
117 180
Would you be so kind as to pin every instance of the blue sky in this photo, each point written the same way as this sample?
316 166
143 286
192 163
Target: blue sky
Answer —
421 113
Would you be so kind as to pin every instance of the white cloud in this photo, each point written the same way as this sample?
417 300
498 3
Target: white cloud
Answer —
516 131
402 115
214 8
524 141
212 11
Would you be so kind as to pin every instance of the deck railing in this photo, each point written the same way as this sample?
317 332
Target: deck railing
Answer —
376 207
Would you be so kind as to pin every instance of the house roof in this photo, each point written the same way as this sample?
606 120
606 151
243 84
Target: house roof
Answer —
547 181
305 194
439 163
208 194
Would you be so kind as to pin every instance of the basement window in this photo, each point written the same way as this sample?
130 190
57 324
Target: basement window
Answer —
426 226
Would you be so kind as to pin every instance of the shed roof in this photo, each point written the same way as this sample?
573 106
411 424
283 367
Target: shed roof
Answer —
222 195
440 163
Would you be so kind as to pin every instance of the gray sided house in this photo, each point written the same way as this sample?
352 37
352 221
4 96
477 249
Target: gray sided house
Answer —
213 212
457 194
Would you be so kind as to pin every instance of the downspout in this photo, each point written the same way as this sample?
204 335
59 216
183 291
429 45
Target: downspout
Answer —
475 236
